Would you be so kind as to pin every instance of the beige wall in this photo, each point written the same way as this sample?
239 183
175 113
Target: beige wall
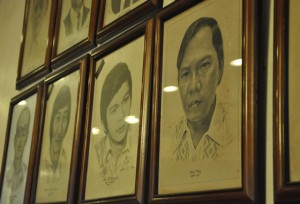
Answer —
11 21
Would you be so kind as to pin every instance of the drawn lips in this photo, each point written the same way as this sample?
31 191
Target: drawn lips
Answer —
195 103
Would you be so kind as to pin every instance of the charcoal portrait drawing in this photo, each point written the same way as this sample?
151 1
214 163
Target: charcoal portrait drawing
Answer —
206 137
74 23
113 151
114 134
36 35
17 172
77 17
55 159
115 9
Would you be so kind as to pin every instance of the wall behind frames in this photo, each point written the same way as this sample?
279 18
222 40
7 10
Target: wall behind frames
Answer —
11 23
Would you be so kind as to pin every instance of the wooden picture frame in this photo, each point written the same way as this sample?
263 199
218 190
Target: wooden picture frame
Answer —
60 136
20 146
127 57
36 41
286 164
70 42
175 176
167 2
114 18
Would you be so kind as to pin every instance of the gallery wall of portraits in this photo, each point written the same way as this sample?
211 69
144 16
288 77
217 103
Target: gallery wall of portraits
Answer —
149 101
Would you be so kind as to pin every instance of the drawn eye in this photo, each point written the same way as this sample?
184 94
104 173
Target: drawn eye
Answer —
205 65
184 74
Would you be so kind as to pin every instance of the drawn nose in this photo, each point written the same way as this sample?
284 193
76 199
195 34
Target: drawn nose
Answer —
195 83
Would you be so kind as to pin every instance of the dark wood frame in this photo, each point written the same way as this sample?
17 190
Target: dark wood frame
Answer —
80 65
125 21
248 192
37 89
44 68
81 47
285 191
147 29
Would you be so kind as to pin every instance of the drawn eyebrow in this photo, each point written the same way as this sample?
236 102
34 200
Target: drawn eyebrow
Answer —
207 57
200 61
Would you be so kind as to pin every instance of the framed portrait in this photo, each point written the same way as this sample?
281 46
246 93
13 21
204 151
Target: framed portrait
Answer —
58 146
203 130
75 29
120 14
115 147
20 146
286 86
36 44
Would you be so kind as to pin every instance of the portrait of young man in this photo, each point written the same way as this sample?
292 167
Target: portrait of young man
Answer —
114 151
200 143
55 160
14 187
115 123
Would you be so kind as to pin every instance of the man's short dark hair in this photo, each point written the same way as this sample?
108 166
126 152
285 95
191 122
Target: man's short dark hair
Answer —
25 110
217 40
113 82
62 99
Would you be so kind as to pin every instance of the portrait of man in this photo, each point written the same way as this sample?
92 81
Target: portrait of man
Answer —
118 5
115 9
200 142
55 163
114 150
200 62
17 172
36 35
55 166
39 11
77 17
115 135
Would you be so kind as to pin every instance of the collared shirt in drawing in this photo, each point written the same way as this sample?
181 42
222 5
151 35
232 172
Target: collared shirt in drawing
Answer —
15 183
53 183
55 175
109 167
75 21
78 19
210 145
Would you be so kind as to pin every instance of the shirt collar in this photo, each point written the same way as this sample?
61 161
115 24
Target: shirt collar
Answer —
62 159
73 15
216 127
107 146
